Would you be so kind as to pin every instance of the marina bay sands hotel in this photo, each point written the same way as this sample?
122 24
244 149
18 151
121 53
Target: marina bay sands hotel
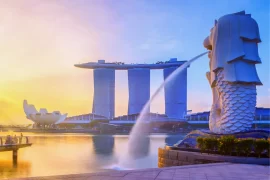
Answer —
138 86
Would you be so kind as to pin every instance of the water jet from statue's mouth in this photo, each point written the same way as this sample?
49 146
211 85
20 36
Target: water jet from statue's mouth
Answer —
138 139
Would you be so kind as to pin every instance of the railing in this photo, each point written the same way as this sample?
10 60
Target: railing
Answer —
14 140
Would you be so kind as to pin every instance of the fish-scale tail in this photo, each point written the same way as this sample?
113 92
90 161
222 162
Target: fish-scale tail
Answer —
238 102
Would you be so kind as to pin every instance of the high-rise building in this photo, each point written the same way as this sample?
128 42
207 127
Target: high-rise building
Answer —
139 89
104 92
138 86
175 93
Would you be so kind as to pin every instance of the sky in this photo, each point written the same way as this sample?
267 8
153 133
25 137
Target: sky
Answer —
41 40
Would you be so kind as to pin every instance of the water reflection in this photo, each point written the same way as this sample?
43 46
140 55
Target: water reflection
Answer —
56 154
103 144
8 169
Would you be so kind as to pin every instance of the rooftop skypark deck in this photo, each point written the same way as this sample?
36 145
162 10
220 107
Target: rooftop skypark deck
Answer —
138 76
122 66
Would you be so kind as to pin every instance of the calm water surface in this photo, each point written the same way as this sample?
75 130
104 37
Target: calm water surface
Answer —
56 154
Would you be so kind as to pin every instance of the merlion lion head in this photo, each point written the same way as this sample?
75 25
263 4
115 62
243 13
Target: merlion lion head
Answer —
233 42
233 37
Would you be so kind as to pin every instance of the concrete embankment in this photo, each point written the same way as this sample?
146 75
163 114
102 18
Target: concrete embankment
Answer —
168 157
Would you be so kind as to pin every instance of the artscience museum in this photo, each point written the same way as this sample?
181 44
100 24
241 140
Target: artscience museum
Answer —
42 118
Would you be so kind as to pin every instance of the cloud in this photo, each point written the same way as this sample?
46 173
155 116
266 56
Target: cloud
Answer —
5 106
158 41
6 102
145 46
157 45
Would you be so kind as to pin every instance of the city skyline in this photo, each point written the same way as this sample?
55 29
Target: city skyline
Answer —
42 40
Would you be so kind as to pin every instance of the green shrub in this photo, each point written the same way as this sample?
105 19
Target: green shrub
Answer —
200 142
261 145
226 145
244 146
211 144
238 147
268 149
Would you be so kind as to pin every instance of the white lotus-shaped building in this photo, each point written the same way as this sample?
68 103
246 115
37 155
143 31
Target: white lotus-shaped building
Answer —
42 117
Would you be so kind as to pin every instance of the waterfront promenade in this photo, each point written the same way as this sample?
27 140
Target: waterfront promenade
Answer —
217 171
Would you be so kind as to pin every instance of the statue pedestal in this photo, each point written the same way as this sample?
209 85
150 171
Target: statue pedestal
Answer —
190 140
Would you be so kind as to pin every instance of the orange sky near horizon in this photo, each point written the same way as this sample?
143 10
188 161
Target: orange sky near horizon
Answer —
40 43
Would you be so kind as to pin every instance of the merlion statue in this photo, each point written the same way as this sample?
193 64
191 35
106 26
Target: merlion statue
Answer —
233 45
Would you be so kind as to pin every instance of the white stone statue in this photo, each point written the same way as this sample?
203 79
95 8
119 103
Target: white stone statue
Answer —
233 45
